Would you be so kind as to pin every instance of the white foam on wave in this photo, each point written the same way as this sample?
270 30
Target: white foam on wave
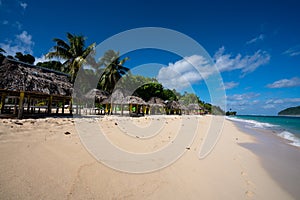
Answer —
295 141
253 123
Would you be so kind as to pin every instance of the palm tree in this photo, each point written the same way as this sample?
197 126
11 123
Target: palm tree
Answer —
113 71
73 51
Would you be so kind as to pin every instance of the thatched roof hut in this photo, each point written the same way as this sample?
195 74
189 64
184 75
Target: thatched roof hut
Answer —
173 107
134 100
25 83
98 95
19 76
155 101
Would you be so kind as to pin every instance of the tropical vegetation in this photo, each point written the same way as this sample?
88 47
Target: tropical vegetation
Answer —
73 52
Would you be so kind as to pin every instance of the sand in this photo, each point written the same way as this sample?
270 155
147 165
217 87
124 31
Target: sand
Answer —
45 159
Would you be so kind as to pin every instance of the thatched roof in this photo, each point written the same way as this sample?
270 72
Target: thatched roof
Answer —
98 94
194 106
134 100
155 101
117 97
173 105
19 76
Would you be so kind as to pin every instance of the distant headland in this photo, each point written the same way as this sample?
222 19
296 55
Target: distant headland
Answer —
290 111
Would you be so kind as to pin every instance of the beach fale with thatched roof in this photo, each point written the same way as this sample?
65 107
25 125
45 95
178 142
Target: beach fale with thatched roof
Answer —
26 87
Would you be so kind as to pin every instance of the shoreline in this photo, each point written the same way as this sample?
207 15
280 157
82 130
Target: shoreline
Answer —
279 158
39 157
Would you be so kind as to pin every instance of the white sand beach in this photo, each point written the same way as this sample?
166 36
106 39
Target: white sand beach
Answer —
40 161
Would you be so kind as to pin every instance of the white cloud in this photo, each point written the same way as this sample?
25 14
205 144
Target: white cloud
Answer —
294 51
230 85
23 5
183 73
282 101
283 83
256 39
195 68
247 64
44 59
280 104
4 22
242 97
22 43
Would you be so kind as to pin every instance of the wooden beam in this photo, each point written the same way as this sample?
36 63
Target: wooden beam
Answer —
21 101
3 97
50 104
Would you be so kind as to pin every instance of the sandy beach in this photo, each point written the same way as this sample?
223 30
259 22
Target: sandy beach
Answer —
45 159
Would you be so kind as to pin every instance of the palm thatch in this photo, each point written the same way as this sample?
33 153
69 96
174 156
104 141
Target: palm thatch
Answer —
98 95
19 76
155 101
134 100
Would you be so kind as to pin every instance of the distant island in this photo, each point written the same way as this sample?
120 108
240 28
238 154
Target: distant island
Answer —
290 111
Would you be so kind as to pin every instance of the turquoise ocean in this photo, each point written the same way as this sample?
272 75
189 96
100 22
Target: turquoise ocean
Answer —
287 127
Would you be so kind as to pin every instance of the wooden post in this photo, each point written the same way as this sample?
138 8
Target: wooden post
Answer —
15 107
71 107
28 103
63 107
130 108
50 104
21 101
3 97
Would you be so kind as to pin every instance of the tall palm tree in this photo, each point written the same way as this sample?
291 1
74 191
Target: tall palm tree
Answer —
113 71
73 51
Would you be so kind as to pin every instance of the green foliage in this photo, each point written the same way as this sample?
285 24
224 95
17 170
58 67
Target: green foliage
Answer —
25 58
113 71
2 57
189 98
149 90
55 65
228 113
169 95
73 51
216 110
290 111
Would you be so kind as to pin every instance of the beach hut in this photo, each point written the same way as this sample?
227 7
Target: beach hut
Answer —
173 107
137 106
156 106
97 96
29 89
194 109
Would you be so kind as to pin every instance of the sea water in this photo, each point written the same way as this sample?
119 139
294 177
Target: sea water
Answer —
287 127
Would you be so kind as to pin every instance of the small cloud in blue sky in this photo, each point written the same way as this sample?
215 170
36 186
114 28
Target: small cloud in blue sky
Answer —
22 43
4 22
247 64
23 5
230 85
284 83
245 96
282 103
256 39
294 51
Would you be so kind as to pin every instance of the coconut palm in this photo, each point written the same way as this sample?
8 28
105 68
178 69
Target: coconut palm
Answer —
73 51
113 71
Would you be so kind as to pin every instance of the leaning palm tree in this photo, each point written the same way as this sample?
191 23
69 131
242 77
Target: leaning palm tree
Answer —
73 51
113 71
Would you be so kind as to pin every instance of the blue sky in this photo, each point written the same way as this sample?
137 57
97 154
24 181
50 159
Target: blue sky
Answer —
255 44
